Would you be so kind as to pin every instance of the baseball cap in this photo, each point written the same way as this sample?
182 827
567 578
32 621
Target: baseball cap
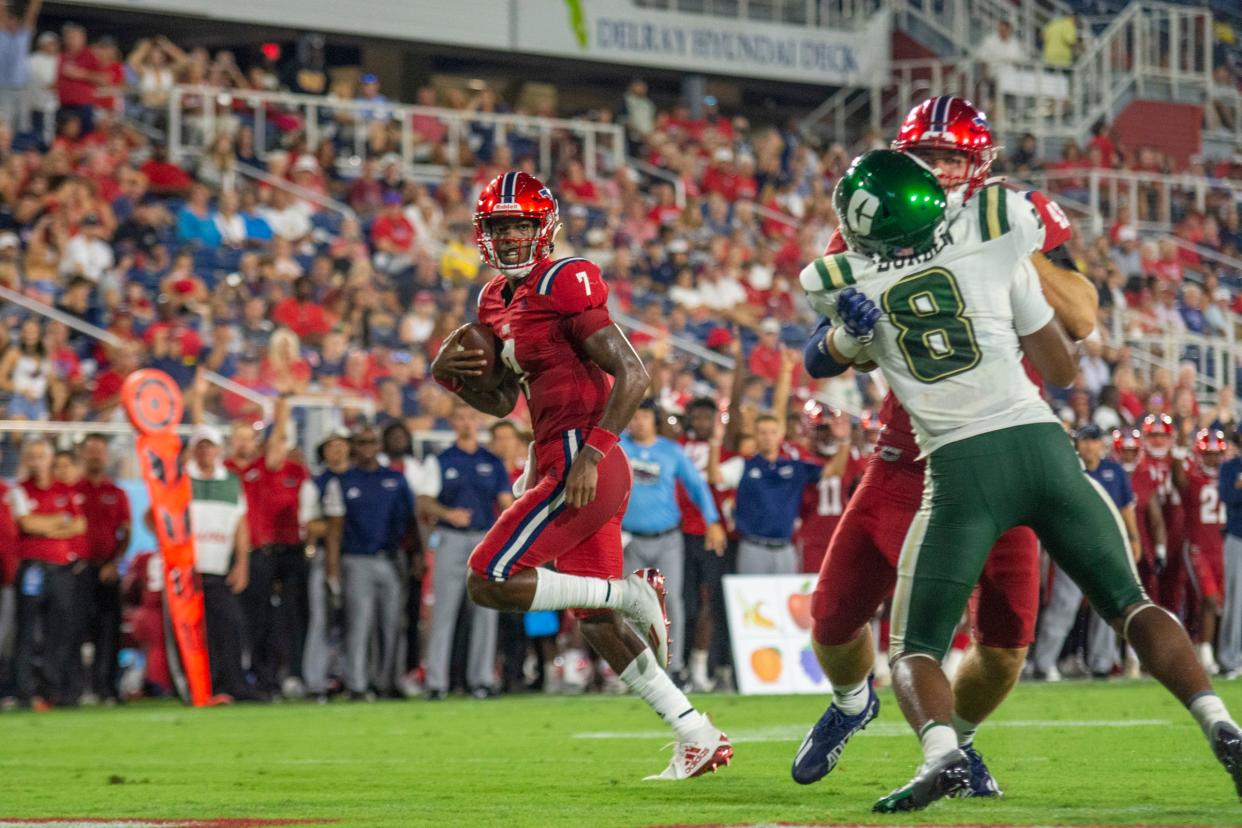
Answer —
770 326
206 432
8 239
335 434
719 337
1090 431
1126 233
306 163
392 197
368 78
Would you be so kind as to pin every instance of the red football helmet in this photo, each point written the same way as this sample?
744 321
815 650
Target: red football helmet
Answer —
516 195
1130 440
951 123
1210 441
1158 434
816 414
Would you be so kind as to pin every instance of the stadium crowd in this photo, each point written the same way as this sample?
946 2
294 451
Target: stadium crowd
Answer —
196 265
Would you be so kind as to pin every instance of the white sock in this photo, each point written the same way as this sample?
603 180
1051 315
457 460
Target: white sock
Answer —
698 665
938 739
1209 710
653 685
556 591
850 699
965 730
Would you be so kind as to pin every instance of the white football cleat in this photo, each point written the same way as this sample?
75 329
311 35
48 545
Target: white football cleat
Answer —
706 750
647 611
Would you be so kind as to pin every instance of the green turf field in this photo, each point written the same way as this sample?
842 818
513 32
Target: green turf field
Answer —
1072 753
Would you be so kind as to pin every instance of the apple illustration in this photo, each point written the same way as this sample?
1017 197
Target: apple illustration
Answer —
800 608
810 665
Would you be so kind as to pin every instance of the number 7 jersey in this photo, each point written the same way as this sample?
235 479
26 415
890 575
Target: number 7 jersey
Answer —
542 323
947 338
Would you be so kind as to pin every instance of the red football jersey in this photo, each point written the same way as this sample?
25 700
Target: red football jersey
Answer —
823 504
1205 514
692 522
1160 476
107 509
542 323
8 539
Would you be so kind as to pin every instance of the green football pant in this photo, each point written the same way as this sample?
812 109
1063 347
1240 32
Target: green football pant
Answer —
977 489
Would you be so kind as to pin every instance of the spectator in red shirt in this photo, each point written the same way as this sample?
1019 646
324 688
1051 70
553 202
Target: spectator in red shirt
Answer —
278 564
576 188
79 76
392 235
112 71
721 177
106 508
301 314
163 176
765 357
49 520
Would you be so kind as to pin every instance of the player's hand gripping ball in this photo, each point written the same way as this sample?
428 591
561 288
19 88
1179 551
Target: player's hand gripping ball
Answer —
469 356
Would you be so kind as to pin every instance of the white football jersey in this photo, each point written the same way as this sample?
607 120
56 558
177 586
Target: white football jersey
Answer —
947 339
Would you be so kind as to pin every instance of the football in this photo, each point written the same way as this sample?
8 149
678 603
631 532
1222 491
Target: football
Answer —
476 337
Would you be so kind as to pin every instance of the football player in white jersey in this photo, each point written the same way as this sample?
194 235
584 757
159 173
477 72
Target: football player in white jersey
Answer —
958 305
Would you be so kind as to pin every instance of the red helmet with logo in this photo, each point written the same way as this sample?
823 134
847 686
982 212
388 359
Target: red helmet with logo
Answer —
951 123
1210 441
1130 440
516 195
1158 424
816 414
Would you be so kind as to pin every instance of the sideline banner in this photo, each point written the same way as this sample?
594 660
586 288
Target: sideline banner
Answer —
770 632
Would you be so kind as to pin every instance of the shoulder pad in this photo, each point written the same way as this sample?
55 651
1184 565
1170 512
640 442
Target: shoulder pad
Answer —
573 285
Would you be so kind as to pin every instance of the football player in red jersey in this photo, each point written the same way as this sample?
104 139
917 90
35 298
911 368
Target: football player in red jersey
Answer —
1205 540
1165 475
824 502
583 382
859 571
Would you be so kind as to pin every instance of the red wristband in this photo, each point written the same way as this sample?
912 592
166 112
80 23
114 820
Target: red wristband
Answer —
602 440
454 384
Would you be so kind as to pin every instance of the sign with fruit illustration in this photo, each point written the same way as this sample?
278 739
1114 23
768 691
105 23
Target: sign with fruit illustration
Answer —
770 631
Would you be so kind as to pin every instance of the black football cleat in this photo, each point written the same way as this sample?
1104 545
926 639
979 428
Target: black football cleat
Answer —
950 776
1227 745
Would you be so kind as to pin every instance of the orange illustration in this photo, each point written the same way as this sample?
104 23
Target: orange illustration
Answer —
766 662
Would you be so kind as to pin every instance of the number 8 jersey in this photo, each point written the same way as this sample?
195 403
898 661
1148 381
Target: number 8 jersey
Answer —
542 323
947 338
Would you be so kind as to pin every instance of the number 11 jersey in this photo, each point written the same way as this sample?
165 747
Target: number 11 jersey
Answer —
542 323
947 338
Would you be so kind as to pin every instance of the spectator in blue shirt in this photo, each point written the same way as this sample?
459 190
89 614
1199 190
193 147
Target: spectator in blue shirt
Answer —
195 222
466 487
378 512
651 527
15 35
769 492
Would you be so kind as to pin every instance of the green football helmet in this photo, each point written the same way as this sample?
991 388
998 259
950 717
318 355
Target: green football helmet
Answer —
890 205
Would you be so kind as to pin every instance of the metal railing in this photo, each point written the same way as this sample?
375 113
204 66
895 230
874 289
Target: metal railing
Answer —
1151 50
197 113
1150 197
1216 359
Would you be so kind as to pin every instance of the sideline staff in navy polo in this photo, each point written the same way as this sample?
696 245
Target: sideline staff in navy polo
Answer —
379 510
465 487
769 492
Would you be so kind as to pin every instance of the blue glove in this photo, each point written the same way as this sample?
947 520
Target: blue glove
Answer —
858 314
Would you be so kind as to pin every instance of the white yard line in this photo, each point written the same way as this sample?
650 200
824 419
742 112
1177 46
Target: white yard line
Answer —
794 733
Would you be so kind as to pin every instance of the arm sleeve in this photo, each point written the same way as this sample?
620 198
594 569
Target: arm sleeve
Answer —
1031 310
431 477
1057 229
333 504
818 362
19 504
696 486
731 472
308 503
